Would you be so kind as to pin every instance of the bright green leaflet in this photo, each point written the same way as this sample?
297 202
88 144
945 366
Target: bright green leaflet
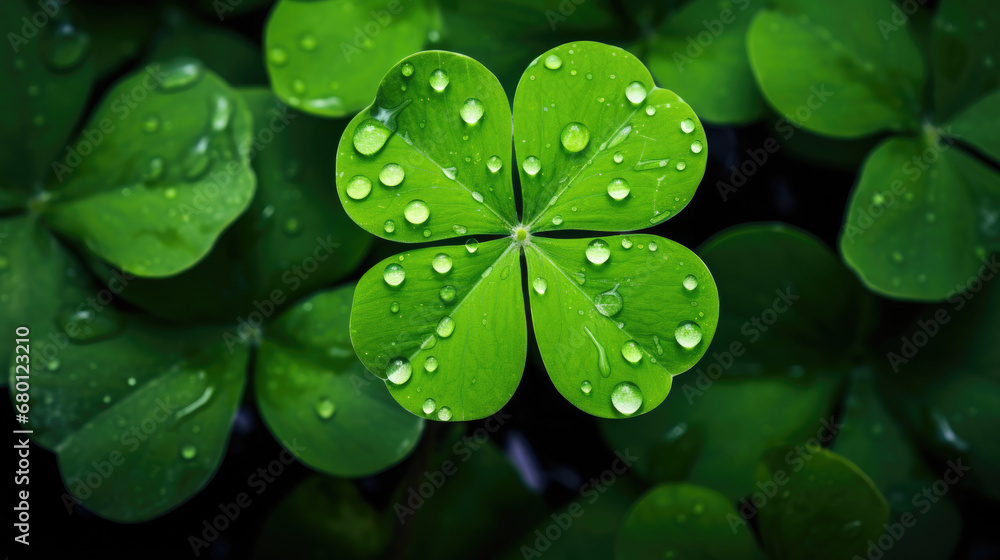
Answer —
954 200
877 444
331 70
707 63
149 396
977 125
827 509
227 53
323 514
413 146
643 137
458 354
267 248
829 67
687 522
614 323
966 53
165 178
46 82
427 162
312 388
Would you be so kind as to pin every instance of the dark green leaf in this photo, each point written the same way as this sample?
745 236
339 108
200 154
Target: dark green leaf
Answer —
966 50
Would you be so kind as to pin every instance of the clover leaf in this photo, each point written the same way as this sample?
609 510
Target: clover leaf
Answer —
923 215
159 171
598 148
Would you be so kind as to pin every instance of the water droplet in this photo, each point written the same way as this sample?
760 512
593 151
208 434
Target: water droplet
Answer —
394 307
477 196
650 110
439 80
553 62
626 243
690 282
532 165
153 170
688 334
631 352
626 397
557 220
472 245
681 166
416 212
540 285
429 406
574 137
602 357
189 452
459 229
222 112
325 408
392 175
277 56
494 164
897 257
398 371
151 124
619 137
441 263
598 251
83 325
687 125
609 303
444 414
618 189
472 110
370 136
292 226
389 226
131 382
636 92
65 46
394 274
445 327
406 69
696 147
448 293
653 246
358 187
180 75
619 157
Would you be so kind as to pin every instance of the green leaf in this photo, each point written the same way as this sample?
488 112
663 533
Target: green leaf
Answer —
417 140
816 65
329 69
826 508
139 422
966 50
164 179
871 438
469 319
323 514
974 125
47 78
700 52
573 116
614 334
684 521
295 237
312 387
952 196
227 53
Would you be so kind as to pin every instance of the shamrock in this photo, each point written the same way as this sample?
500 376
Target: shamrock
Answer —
598 148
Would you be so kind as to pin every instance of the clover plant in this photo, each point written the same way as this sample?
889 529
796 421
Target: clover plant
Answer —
597 147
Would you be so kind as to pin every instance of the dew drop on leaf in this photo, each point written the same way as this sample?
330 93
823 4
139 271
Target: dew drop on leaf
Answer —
688 334
448 293
394 307
189 452
325 408
441 263
585 387
690 282
439 80
429 406
631 352
472 110
598 251
444 414
394 274
65 46
626 397
696 147
472 245
540 285
603 365
618 189
532 165
277 56
557 220
370 136
445 327
636 92
574 137
358 187
389 226
431 364
553 62
391 175
494 164
687 125
619 157
626 243
180 75
650 110
609 303
398 370
416 212
406 69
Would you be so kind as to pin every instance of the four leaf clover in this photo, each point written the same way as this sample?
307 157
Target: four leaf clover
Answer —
598 148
